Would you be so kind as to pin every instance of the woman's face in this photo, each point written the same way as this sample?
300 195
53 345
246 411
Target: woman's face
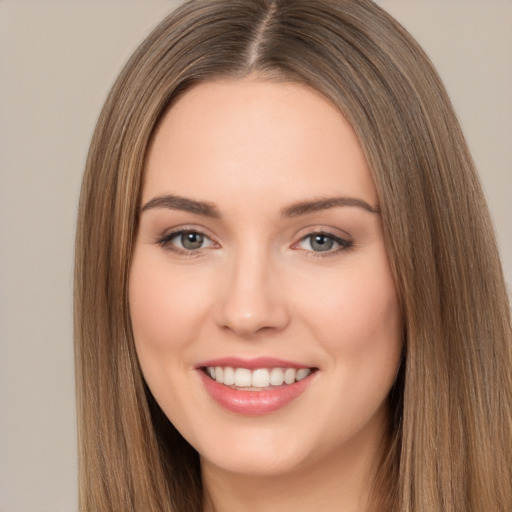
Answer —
260 251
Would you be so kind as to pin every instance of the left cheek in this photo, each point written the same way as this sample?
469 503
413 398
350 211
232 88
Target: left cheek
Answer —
359 319
366 349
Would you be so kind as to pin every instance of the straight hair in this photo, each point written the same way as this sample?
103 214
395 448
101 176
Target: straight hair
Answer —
449 446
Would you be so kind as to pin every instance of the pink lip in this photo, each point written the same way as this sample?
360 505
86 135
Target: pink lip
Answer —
253 403
252 364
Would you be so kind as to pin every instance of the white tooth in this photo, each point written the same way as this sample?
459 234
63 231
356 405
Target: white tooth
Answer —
243 378
211 371
289 375
219 374
229 376
276 376
302 373
260 378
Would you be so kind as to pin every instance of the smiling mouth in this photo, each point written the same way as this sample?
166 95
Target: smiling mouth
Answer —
259 379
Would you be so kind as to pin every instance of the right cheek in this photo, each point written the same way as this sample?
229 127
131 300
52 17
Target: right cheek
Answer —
167 308
154 315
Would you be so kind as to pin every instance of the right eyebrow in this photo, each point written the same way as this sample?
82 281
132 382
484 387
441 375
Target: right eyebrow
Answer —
173 202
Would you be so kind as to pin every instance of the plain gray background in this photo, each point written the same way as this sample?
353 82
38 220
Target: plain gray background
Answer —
57 62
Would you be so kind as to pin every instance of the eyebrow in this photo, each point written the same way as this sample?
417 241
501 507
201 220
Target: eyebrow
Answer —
206 209
306 207
173 202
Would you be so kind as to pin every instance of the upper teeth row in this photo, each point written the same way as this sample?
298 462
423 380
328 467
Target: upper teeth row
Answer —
260 378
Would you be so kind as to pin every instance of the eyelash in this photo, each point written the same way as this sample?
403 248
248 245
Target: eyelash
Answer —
343 244
165 242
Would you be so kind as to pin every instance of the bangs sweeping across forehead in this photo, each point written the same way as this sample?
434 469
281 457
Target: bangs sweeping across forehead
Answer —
450 441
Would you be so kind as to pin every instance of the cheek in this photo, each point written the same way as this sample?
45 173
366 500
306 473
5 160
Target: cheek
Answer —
167 312
356 317
361 332
163 305
357 301
371 313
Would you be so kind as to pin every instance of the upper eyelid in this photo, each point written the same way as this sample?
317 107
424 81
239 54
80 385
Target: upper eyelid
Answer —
171 232
338 239
326 230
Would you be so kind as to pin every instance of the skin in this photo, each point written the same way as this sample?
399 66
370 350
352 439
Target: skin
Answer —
258 287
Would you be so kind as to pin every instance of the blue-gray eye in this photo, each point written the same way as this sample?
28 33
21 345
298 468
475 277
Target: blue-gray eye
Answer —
323 242
185 241
320 242
191 241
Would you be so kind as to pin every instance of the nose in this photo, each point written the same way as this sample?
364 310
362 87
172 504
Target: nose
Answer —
253 301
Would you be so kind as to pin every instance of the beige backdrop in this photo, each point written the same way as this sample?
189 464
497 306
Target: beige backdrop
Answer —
57 61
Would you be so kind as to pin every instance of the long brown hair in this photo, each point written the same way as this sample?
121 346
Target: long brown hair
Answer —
450 444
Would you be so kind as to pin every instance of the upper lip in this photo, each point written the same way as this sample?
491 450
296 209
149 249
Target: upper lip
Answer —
252 363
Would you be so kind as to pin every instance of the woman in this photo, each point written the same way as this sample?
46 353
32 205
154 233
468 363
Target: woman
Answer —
288 292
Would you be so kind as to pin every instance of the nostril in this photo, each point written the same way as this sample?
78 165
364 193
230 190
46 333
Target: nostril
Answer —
262 319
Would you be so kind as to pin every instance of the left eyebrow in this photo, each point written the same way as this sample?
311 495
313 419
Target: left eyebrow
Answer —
306 207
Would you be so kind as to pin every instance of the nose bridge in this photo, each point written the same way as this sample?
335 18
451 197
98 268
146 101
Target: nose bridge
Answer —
252 301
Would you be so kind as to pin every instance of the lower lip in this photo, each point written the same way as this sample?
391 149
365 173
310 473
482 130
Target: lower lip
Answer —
254 403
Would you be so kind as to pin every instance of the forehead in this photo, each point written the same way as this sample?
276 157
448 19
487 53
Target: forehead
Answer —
245 138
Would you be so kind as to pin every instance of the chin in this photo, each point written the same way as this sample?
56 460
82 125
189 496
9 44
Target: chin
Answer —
256 462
